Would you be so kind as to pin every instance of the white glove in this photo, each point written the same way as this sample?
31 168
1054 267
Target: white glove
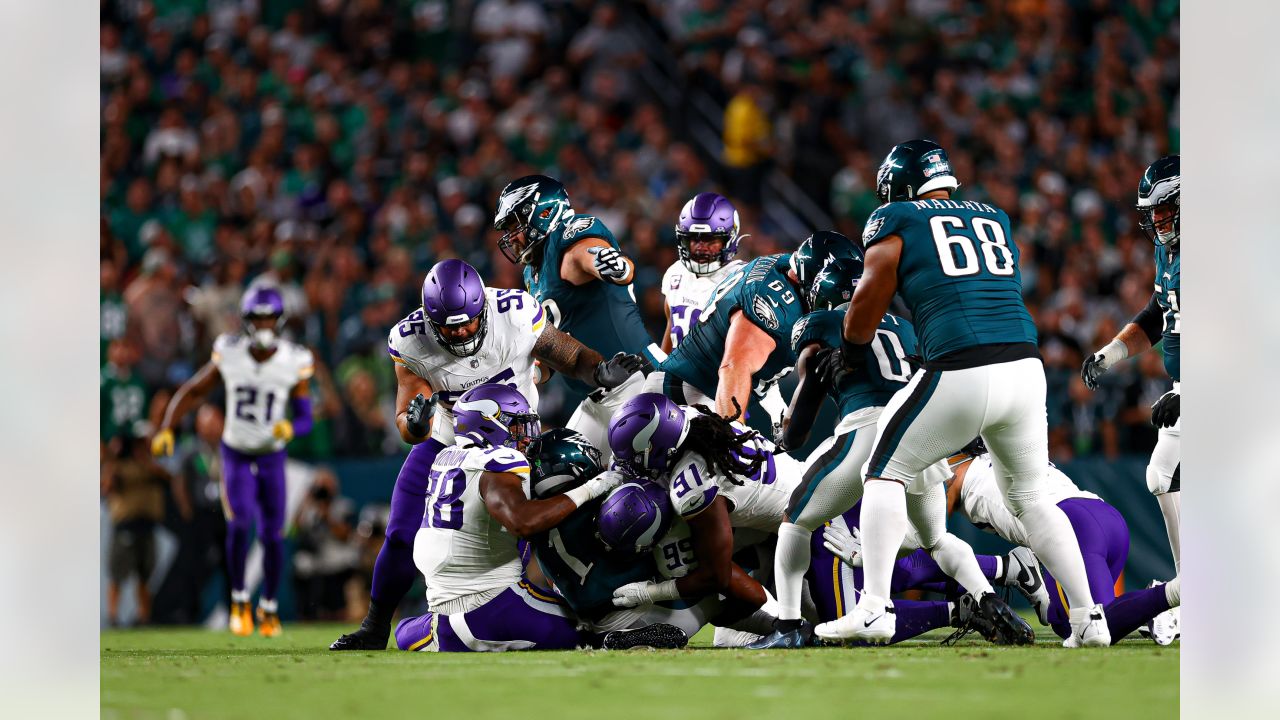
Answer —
644 593
844 544
610 263
597 486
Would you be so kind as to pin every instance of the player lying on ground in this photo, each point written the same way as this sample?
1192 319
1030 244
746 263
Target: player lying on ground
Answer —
464 334
832 480
262 373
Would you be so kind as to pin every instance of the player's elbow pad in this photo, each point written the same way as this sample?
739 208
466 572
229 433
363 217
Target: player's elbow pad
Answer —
302 417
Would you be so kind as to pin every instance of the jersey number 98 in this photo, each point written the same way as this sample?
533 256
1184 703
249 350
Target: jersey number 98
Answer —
445 490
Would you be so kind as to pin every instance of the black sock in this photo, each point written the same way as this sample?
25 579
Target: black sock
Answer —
786 626
379 616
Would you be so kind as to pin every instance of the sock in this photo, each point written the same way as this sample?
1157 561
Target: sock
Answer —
791 562
240 596
956 559
268 606
1053 541
884 525
393 575
1173 592
994 568
237 555
1171 508
1133 609
272 566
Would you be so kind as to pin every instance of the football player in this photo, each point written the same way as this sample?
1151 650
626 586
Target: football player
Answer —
573 266
707 239
741 342
955 266
478 506
1159 202
832 480
262 374
465 334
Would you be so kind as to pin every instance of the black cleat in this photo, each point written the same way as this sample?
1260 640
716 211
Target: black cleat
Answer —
659 636
998 623
366 638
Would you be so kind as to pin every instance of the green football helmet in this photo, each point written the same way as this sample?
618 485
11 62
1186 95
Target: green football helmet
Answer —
530 209
1160 191
816 251
912 169
561 460
835 284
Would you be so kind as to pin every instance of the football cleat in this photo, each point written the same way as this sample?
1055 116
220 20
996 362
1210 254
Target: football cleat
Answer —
786 639
1003 626
873 620
1162 629
1022 571
1088 628
658 636
268 624
241 621
366 638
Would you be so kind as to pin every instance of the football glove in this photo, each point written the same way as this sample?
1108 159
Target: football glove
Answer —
611 373
282 430
601 484
1098 363
1166 411
417 419
610 263
831 363
644 593
844 544
162 443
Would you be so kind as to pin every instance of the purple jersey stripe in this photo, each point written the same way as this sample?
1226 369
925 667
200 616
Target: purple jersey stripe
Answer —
500 466
392 351
537 318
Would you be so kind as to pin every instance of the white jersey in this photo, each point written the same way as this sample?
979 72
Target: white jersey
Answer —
686 294
464 553
757 502
515 320
983 504
257 392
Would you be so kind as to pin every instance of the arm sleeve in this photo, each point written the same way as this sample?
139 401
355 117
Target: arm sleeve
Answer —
1150 319
807 400
302 417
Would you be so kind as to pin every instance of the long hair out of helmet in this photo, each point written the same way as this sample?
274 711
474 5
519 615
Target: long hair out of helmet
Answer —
715 439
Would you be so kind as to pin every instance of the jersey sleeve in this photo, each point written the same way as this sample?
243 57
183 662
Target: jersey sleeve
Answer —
220 346
521 312
501 460
306 363
692 486
403 336
885 221
581 227
755 305
669 280
815 328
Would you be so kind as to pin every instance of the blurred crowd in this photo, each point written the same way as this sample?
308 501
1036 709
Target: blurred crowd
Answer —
338 148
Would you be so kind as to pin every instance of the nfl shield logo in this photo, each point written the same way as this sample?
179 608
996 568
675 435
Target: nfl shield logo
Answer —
475 363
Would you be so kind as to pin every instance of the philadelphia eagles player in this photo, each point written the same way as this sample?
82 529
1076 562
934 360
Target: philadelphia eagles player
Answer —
956 268
576 271
1159 201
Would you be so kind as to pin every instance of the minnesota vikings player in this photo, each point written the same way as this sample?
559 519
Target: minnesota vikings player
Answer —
832 480
707 238
1159 202
573 266
479 506
956 268
463 335
261 373
1103 538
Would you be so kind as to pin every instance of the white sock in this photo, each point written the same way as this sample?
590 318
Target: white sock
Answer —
884 525
1173 592
956 559
1053 541
790 563
1000 570
267 605
1171 508
240 596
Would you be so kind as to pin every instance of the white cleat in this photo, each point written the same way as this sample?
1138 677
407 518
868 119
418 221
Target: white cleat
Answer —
1023 573
1088 628
1164 628
873 620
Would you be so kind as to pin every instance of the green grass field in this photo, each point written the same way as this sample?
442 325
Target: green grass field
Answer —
196 673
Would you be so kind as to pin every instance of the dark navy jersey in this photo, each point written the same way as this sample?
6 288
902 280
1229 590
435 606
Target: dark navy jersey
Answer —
603 316
884 368
768 299
958 274
1168 271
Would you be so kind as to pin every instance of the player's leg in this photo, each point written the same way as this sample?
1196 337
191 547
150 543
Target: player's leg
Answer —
1164 481
239 505
519 618
1015 430
592 416
271 512
414 634
394 570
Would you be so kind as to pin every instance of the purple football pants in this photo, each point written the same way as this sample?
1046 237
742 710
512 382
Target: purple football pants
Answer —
522 617
253 491
394 571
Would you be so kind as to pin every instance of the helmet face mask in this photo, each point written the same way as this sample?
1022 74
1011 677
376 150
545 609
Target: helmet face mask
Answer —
453 302
262 313
707 234
1160 201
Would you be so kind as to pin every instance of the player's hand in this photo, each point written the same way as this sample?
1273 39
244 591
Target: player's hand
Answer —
1093 367
605 483
831 363
282 430
611 373
844 544
162 443
610 263
1166 411
633 595
417 419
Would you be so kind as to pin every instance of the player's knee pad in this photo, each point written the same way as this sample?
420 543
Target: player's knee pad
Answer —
1019 501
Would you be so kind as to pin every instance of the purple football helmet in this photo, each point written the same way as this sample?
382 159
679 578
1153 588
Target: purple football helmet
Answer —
646 433
258 303
453 295
634 517
496 414
707 218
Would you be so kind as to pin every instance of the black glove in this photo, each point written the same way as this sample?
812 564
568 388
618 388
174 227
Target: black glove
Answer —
831 363
417 419
613 372
1092 370
1166 411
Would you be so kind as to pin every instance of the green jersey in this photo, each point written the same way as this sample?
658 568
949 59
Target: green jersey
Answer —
603 316
768 299
884 368
113 318
123 402
1168 283
958 274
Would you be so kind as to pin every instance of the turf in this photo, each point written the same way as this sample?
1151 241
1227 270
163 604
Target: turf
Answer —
196 673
